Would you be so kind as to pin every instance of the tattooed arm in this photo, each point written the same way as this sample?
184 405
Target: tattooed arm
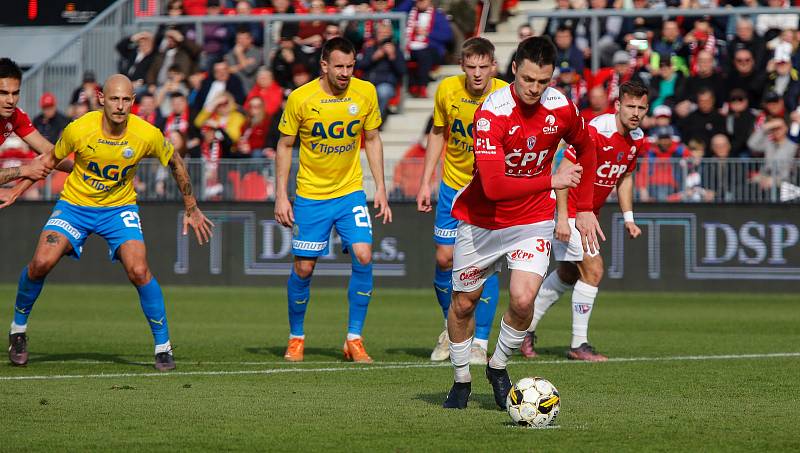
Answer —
192 216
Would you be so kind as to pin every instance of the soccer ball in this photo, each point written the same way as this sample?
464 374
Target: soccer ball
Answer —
534 402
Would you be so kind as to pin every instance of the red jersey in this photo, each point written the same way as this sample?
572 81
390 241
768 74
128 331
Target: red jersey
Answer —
616 156
514 148
19 123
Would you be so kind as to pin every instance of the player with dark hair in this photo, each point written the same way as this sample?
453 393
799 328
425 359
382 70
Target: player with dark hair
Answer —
99 198
618 142
14 120
506 211
329 114
457 98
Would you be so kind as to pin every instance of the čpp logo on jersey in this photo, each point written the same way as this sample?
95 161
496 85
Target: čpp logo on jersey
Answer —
336 129
609 171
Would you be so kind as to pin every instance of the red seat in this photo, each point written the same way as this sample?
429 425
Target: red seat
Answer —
235 182
254 187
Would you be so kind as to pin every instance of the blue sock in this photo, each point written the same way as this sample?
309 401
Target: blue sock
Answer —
27 293
152 301
298 291
443 285
359 292
487 306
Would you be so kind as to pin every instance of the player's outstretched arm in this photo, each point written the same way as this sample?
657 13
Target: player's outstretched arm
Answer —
374 148
38 169
201 225
432 153
43 146
283 163
35 170
625 195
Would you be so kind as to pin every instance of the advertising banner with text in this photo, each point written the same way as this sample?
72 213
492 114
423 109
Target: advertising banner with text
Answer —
683 247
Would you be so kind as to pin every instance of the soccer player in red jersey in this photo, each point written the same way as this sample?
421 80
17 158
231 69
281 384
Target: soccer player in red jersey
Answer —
14 120
506 211
618 141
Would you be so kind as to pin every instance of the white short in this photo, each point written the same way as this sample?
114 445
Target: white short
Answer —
478 251
571 251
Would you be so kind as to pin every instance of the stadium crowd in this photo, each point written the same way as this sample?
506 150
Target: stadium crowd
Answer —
725 87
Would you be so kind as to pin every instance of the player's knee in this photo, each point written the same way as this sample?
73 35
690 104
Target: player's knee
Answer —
568 274
39 267
304 268
521 301
593 275
363 257
444 259
139 274
462 305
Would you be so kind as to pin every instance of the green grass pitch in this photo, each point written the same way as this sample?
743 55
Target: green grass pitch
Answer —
689 372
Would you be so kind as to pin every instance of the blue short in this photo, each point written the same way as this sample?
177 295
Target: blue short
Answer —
444 228
116 225
315 219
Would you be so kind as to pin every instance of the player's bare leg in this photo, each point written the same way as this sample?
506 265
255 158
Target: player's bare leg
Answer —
443 288
460 328
133 256
51 247
359 293
554 286
298 292
523 289
583 296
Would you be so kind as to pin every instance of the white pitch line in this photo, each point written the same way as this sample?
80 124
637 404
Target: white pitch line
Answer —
395 366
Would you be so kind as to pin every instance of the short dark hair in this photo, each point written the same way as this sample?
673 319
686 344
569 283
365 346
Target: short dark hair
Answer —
477 46
705 90
244 28
633 88
539 50
337 43
9 69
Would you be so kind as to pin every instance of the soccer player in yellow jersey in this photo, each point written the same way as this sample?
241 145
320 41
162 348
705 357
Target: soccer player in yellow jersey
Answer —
329 114
457 99
99 197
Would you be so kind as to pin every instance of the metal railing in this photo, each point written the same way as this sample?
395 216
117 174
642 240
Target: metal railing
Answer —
655 180
595 15
93 48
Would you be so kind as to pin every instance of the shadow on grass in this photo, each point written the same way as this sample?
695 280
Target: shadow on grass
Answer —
552 352
279 351
483 401
139 360
414 352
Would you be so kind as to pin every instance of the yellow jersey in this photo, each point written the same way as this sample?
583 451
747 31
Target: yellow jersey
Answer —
104 167
330 128
454 108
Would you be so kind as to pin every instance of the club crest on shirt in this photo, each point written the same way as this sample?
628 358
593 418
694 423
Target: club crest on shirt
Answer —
352 109
127 153
531 142
619 156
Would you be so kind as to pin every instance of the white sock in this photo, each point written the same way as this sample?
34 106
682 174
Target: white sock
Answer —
16 328
508 341
302 337
459 357
549 293
484 344
353 336
582 303
165 347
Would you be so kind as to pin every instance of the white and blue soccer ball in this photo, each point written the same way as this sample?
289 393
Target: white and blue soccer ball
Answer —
533 402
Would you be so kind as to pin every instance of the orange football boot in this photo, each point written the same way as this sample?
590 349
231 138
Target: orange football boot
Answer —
294 352
354 350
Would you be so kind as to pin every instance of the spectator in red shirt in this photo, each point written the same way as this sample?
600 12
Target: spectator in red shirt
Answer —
252 142
267 90
657 178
